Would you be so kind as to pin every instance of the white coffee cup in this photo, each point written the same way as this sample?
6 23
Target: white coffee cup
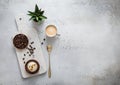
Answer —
51 31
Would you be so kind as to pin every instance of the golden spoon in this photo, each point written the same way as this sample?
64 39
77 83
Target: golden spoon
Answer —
49 49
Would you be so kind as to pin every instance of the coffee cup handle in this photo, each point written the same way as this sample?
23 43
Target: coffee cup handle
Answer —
58 34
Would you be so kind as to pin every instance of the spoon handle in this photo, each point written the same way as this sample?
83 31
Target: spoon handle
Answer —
49 69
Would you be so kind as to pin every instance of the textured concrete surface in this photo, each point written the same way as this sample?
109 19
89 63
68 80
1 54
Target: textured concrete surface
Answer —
86 53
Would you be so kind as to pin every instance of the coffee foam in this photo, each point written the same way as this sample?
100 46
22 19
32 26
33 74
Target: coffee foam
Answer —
51 31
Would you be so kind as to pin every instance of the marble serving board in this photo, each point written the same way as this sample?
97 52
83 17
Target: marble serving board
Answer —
34 42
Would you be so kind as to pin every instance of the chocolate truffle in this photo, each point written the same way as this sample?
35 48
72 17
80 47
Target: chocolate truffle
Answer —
32 66
20 41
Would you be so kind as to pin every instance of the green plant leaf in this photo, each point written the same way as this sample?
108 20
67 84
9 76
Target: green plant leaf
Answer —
40 19
31 14
36 8
42 12
37 18
32 18
43 17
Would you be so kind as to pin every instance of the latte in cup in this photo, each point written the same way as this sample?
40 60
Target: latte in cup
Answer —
51 31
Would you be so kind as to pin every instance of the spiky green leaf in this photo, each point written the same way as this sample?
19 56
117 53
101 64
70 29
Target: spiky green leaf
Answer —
36 8
43 17
37 18
42 12
32 18
31 12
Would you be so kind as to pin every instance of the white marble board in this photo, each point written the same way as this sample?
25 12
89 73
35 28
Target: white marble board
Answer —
22 55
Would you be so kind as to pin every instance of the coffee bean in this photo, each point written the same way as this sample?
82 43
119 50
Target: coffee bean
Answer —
30 46
23 58
41 43
32 42
30 49
44 39
20 18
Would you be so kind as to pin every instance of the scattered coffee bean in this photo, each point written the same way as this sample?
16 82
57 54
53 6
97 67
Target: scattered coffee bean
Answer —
41 43
24 62
23 58
24 54
30 46
20 18
30 49
44 39
32 42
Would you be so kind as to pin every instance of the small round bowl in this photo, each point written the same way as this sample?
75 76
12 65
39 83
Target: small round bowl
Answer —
20 41
27 69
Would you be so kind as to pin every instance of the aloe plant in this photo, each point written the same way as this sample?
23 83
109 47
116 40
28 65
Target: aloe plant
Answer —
37 15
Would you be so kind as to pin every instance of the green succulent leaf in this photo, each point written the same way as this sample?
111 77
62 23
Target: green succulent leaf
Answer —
42 12
31 12
37 18
32 18
36 8
43 17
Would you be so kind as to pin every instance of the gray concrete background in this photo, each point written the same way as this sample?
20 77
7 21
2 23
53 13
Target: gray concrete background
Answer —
86 53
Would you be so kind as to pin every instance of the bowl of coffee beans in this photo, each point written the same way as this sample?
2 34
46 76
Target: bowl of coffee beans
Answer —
20 41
